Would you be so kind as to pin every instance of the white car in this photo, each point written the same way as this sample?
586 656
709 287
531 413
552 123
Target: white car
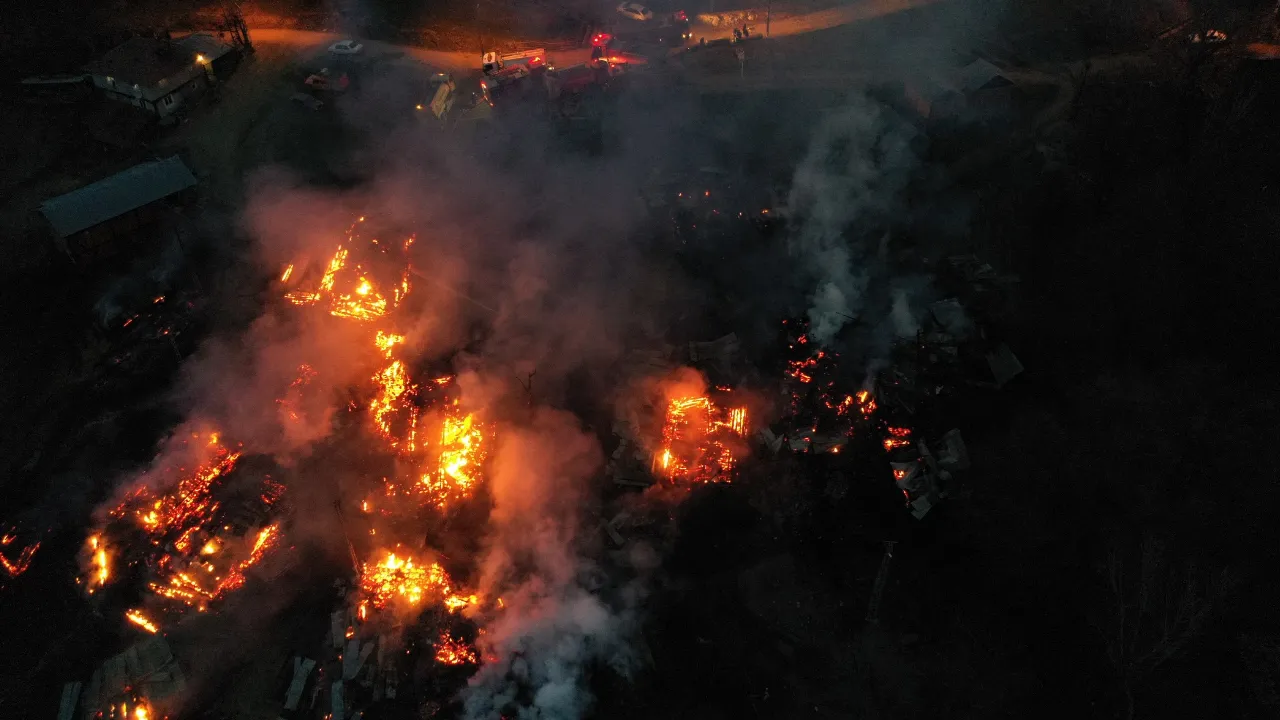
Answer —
346 47
635 11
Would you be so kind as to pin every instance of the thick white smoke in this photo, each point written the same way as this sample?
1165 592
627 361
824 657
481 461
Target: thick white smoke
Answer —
851 181
556 626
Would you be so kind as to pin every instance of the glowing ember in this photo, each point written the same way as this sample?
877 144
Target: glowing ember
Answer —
192 499
419 421
291 402
402 580
200 582
451 651
386 342
695 440
898 437
866 402
137 618
101 572
796 368
393 393
458 470
14 567
189 556
349 289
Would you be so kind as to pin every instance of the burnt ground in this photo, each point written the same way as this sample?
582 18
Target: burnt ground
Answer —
1146 253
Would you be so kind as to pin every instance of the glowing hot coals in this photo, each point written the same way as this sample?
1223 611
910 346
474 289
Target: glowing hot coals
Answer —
194 548
423 422
452 651
15 557
198 581
700 441
357 281
400 580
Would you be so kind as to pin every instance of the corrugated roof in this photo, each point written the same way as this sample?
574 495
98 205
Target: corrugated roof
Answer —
114 196
979 74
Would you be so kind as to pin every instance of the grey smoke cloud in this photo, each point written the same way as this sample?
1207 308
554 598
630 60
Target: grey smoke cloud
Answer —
557 624
849 184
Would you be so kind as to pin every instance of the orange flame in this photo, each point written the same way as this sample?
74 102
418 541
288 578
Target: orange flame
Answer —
347 287
898 437
400 579
17 566
137 618
694 438
101 571
451 651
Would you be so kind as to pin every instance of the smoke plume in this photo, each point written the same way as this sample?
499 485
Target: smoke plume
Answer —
848 186
557 625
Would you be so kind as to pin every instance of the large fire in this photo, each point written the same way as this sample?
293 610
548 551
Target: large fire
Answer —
198 581
349 287
194 554
424 423
398 579
137 618
698 440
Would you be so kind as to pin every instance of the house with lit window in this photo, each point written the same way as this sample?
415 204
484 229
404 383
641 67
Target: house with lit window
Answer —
160 75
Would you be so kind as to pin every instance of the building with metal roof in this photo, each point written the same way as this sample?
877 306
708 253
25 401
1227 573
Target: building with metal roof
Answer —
87 219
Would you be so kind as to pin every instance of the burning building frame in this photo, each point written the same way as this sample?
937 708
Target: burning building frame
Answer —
195 532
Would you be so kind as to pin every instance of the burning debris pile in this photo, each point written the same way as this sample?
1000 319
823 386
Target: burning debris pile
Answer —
680 432
437 449
352 286
698 439
194 531
15 557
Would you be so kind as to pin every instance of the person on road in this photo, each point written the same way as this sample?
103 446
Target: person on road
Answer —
737 34
746 31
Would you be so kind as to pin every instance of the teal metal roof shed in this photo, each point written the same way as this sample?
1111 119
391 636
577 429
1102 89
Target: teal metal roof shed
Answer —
116 195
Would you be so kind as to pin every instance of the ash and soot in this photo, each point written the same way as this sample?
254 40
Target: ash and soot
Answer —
751 362
402 470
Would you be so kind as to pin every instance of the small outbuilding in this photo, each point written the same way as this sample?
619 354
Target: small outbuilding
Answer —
103 219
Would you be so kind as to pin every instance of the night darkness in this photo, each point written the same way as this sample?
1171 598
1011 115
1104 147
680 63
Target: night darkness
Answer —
809 359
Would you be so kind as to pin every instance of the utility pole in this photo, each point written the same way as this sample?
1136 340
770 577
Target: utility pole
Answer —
768 17
882 576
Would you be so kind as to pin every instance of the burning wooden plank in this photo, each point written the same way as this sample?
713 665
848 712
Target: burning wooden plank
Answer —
699 440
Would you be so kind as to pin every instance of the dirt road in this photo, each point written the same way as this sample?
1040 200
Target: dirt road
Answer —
853 12
450 61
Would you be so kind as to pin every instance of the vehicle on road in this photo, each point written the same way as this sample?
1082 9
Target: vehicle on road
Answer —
346 47
635 11
516 64
574 80
326 82
669 32
306 101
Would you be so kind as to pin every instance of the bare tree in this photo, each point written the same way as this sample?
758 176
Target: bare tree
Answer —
1154 607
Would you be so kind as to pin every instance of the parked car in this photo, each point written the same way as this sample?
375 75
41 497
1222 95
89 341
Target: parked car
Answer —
307 101
635 11
346 47
324 81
